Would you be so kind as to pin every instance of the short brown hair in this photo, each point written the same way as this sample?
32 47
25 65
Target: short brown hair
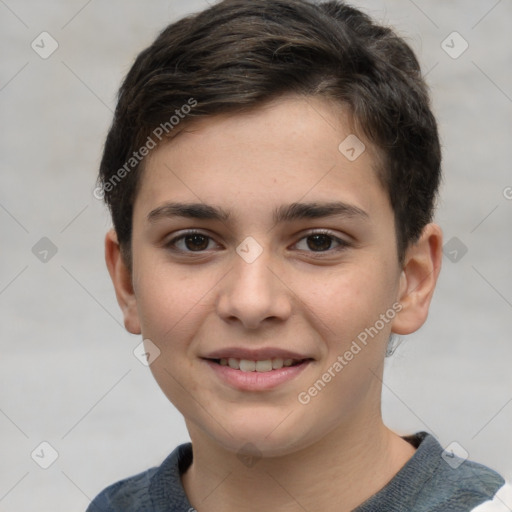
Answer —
236 55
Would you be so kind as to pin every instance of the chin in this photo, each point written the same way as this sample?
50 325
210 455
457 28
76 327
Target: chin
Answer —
258 436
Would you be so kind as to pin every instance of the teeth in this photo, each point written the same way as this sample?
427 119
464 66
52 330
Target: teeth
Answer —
265 365
277 363
247 366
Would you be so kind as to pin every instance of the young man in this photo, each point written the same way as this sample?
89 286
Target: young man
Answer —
271 172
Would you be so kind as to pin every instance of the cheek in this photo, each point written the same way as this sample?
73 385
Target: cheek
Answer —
170 305
349 300
346 310
170 301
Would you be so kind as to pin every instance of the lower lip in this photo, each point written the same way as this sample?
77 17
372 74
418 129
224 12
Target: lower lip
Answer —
256 381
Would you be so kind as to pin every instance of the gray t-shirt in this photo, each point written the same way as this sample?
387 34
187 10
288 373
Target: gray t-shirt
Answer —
431 481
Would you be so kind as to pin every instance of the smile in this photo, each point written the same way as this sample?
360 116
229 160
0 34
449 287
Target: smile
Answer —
259 375
265 365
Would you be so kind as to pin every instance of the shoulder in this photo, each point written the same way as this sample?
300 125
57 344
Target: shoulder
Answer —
156 489
129 494
452 483
463 488
500 502
437 480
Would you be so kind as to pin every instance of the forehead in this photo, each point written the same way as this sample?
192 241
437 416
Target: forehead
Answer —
291 149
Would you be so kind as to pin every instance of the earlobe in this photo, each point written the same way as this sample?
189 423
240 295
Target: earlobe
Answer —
122 280
418 280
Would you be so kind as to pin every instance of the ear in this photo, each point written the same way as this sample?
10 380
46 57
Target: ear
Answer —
421 269
122 280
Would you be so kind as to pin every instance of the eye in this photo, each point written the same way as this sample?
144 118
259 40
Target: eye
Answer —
192 241
321 242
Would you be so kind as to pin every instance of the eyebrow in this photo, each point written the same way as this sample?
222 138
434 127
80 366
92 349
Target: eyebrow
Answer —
315 210
189 210
285 213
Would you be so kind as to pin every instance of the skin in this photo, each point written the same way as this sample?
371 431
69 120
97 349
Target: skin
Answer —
334 452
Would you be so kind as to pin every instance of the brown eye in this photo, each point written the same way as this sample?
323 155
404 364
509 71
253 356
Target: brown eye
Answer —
196 242
319 242
192 242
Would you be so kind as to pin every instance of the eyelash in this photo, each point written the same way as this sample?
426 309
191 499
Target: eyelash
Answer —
342 244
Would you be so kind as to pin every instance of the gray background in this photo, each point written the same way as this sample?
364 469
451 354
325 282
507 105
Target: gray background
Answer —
68 373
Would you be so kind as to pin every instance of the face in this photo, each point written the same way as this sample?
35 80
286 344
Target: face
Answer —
256 239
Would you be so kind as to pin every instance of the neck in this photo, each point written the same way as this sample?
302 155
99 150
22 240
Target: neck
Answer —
339 472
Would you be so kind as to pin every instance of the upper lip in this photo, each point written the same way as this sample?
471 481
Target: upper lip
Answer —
255 354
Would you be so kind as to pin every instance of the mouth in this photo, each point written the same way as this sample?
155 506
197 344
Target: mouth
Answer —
260 366
258 374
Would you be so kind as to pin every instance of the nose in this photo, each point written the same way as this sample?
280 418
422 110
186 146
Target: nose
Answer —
252 294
